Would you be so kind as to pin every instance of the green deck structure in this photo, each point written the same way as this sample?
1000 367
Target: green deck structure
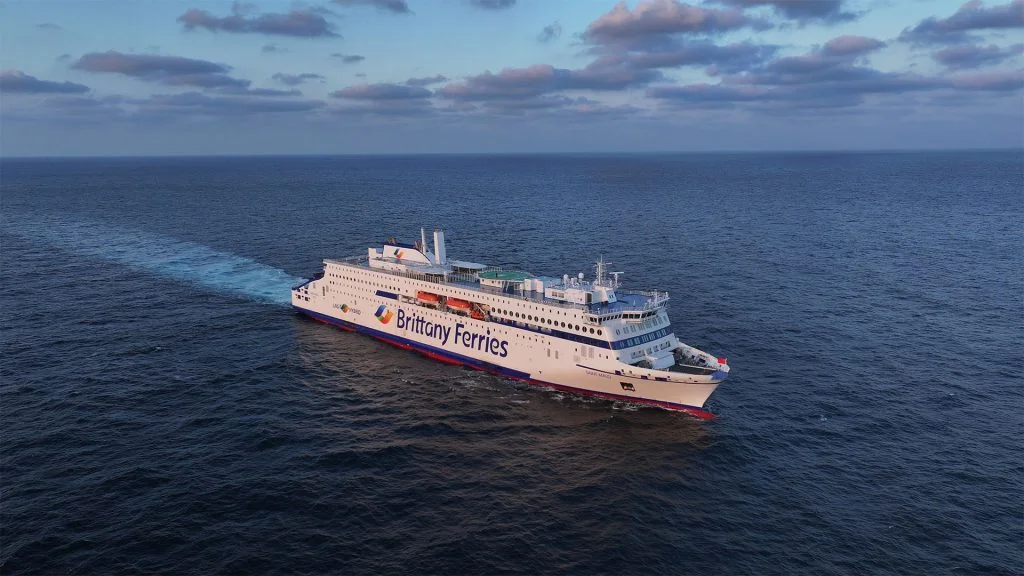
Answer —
507 275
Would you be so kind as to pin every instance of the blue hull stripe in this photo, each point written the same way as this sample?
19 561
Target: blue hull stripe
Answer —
494 368
384 294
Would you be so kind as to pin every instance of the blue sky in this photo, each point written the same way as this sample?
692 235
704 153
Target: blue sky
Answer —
412 76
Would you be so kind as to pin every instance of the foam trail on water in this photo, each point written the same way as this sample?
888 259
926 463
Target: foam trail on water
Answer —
185 261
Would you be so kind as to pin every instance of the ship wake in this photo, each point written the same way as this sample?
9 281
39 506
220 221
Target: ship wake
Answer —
180 260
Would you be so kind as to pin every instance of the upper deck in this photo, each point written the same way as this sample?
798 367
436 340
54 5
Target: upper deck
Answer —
630 305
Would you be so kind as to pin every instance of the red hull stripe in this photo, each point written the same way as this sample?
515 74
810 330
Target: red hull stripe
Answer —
459 360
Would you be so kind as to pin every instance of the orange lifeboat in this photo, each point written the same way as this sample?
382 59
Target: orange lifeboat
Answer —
459 304
476 315
428 297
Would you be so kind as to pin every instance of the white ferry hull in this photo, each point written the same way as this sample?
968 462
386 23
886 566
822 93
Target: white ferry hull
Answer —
509 351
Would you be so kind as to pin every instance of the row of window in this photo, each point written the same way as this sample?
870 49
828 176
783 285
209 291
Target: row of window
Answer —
548 321
359 281
646 338
633 328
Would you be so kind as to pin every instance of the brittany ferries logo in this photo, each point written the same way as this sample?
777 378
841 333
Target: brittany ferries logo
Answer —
383 314
399 253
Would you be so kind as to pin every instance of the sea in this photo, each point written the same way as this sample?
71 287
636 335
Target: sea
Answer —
163 410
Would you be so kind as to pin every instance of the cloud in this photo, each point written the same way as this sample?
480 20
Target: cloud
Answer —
48 26
296 79
539 103
552 105
146 65
834 94
493 4
176 107
826 78
17 82
388 108
386 99
664 17
299 22
83 101
851 46
259 92
550 32
828 11
714 93
834 61
972 16
195 102
85 108
551 110
169 70
383 91
995 81
660 34
823 73
396 6
205 81
63 57
348 58
517 83
426 80
269 48
729 58
963 56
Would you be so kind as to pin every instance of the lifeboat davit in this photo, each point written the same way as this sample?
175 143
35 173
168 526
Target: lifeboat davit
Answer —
456 303
428 297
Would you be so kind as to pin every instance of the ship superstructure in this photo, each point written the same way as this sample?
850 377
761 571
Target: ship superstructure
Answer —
573 334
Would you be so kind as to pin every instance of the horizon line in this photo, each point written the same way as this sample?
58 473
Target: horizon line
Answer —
522 153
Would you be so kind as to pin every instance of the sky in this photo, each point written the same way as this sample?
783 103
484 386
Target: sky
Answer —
209 77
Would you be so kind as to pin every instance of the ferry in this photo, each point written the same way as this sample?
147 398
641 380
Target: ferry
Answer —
572 334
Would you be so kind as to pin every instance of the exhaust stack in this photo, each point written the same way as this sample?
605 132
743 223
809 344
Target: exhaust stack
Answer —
440 258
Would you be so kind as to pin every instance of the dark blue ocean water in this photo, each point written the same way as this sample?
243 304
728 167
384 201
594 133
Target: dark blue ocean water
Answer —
164 412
